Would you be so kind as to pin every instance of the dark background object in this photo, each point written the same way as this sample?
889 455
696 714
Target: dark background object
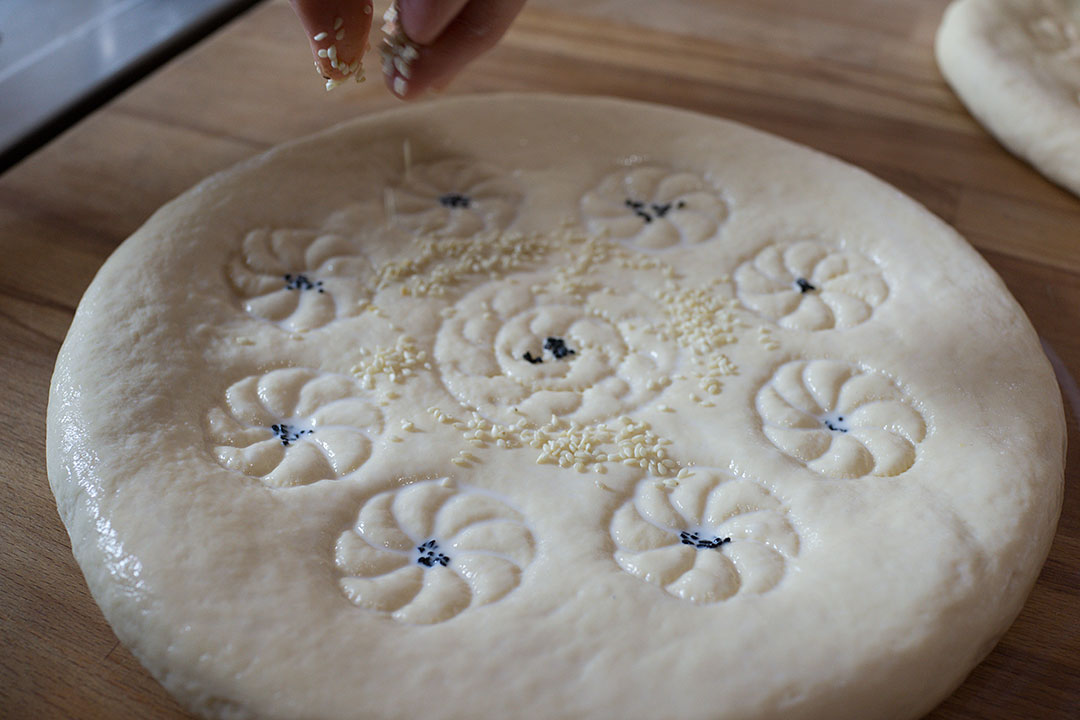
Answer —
61 59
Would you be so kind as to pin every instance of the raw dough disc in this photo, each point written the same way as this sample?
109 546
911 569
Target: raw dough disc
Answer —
1016 65
553 407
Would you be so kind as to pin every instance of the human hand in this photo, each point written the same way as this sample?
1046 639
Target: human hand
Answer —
429 41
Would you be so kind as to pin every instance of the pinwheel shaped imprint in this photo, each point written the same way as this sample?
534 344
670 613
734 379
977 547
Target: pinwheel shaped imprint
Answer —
294 427
839 420
654 208
1055 31
807 285
300 279
431 550
513 351
453 198
707 539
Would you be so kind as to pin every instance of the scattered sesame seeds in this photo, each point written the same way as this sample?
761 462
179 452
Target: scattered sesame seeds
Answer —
396 363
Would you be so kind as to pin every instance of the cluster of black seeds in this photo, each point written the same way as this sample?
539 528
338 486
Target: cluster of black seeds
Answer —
288 433
556 346
694 540
455 200
804 285
301 282
651 211
430 555
835 428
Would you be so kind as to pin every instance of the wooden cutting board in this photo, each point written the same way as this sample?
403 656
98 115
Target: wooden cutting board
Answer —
853 78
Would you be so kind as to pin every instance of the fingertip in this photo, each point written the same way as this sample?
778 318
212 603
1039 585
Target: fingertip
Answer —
424 20
338 34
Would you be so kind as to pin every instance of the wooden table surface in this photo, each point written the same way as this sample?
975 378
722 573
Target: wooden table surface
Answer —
854 78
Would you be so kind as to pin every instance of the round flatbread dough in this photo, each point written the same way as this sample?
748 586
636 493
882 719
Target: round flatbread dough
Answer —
1015 64
553 407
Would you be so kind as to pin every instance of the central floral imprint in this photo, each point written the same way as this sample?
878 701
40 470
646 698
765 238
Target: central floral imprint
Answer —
808 285
707 539
454 198
654 208
301 279
841 421
294 427
427 552
512 351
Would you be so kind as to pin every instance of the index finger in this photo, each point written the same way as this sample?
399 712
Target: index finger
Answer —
338 32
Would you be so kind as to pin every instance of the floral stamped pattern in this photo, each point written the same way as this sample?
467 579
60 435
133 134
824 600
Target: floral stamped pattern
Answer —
654 208
294 427
514 352
839 420
807 285
300 279
429 551
453 198
1056 31
705 540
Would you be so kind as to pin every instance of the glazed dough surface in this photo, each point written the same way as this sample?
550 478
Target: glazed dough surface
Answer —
553 407
1016 65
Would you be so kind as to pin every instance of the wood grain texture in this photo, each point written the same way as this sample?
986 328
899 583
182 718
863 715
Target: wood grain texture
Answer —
853 78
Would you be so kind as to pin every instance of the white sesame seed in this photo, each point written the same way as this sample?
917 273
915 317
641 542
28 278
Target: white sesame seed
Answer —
322 52
338 22
400 86
321 36
331 52
340 35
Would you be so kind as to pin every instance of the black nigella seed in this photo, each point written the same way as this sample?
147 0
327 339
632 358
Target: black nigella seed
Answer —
455 200
301 282
835 428
804 285
532 358
680 205
558 348
661 210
